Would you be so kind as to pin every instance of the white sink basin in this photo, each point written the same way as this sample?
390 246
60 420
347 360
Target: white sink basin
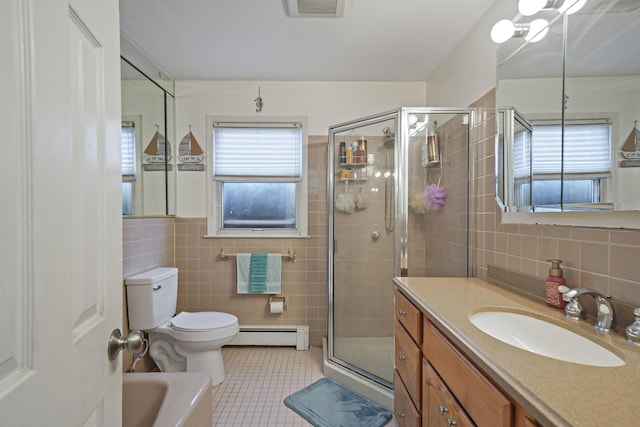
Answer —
543 338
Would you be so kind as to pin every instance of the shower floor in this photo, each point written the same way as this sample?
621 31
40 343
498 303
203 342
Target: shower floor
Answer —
372 354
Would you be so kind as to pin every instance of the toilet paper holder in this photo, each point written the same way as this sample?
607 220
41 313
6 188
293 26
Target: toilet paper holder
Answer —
283 300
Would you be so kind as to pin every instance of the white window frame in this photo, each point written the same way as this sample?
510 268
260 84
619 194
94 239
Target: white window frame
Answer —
214 193
605 185
136 182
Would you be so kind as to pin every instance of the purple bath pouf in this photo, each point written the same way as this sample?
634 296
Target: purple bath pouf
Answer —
434 197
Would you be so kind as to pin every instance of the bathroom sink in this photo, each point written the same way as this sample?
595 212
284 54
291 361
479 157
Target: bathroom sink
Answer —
543 338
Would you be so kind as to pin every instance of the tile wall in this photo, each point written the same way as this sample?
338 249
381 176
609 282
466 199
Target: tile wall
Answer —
446 229
206 282
147 243
603 259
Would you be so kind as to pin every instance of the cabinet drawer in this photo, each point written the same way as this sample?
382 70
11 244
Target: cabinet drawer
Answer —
484 403
404 410
409 315
407 362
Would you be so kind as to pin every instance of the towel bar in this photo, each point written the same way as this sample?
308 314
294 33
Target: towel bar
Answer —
291 256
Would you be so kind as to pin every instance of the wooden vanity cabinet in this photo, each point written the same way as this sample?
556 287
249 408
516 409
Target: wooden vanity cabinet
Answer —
436 385
408 358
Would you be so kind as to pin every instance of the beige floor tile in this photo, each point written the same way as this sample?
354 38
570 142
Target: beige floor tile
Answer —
257 381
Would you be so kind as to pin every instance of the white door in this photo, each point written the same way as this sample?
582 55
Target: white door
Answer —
60 227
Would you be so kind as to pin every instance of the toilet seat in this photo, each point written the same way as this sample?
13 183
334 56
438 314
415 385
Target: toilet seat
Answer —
202 321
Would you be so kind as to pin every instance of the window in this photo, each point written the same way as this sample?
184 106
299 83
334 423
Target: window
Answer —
128 166
582 177
257 179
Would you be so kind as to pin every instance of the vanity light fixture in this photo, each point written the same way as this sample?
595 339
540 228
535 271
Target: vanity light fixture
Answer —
506 29
531 7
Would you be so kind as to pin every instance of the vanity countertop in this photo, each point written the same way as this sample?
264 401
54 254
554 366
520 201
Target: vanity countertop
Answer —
556 393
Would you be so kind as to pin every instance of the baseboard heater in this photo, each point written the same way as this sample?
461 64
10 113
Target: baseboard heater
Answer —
273 335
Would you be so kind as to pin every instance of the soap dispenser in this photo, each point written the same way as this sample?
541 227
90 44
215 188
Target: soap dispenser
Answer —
556 285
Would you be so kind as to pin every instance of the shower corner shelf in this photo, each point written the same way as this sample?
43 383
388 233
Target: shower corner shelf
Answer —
354 165
352 179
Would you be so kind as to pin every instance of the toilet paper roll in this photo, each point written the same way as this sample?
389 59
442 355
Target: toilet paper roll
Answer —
276 307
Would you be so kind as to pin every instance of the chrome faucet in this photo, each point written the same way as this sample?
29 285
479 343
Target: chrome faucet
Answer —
605 319
633 331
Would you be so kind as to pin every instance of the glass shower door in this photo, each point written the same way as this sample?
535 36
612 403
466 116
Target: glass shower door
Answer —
363 247
399 186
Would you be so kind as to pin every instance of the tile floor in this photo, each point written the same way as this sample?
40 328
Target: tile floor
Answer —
257 381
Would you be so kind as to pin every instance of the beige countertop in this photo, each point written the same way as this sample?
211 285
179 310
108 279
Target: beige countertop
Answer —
556 393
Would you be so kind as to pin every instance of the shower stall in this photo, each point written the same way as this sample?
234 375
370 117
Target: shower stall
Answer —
399 202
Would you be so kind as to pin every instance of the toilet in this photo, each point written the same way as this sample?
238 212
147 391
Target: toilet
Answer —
187 342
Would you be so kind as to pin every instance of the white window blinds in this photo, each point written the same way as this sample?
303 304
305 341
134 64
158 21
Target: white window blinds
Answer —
128 151
257 151
587 149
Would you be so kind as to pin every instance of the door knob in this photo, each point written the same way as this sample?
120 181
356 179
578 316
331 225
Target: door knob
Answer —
134 343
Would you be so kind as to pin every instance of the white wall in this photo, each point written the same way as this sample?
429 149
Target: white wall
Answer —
143 102
324 103
590 97
470 71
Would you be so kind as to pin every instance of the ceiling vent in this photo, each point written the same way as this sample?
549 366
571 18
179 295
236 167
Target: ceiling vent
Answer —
315 8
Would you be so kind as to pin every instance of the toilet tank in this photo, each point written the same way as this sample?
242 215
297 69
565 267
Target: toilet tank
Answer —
152 297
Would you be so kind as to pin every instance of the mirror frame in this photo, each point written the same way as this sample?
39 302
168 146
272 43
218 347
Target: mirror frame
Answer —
140 63
511 215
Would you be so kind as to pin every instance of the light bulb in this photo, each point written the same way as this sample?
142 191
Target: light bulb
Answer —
571 6
537 30
530 7
502 31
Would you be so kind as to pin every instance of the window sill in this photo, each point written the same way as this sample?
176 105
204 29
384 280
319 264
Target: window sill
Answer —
255 236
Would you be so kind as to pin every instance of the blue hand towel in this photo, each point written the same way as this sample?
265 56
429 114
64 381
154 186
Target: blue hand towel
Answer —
273 282
258 272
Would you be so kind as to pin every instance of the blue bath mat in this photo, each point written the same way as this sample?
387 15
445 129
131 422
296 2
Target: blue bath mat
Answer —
326 403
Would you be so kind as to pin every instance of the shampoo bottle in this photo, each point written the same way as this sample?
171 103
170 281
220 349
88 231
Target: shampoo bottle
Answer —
556 285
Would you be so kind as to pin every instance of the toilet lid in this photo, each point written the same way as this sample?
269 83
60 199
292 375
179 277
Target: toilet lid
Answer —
202 321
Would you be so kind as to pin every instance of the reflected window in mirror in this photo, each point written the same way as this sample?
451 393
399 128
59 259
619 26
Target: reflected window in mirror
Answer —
573 175
128 145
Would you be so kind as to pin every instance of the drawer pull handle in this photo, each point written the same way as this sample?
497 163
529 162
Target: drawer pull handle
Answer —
402 312
451 422
400 414
442 409
402 357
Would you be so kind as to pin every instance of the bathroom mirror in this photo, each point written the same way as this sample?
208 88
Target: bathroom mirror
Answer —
582 79
148 137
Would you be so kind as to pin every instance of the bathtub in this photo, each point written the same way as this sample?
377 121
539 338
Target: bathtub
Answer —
166 399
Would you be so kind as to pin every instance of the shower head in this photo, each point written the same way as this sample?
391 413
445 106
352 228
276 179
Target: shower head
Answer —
389 138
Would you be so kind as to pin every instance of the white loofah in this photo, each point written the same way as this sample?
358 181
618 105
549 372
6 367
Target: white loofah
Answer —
362 200
345 202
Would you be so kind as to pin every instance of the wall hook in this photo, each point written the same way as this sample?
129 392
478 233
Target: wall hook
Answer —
258 102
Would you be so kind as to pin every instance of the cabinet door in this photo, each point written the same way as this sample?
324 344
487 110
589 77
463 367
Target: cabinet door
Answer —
487 405
439 407
457 416
434 404
406 414
524 419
